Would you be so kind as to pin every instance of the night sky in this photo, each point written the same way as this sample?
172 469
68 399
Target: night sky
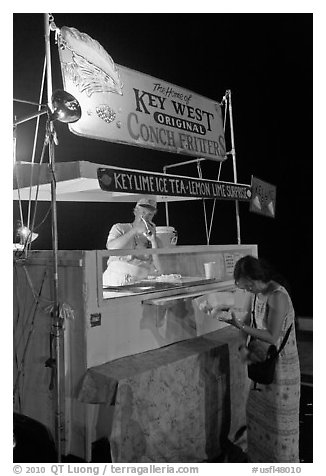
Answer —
266 62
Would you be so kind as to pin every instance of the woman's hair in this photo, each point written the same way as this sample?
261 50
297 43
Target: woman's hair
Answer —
258 269
253 268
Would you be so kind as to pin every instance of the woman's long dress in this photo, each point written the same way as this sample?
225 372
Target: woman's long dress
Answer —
273 410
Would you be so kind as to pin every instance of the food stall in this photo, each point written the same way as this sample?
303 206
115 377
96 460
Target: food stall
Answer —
140 364
155 324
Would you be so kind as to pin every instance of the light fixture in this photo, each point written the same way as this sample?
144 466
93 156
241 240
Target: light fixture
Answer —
66 109
25 235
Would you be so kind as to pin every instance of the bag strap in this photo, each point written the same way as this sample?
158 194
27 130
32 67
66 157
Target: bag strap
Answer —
253 312
285 339
255 325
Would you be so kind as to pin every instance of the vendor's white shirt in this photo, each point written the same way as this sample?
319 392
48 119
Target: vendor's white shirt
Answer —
123 269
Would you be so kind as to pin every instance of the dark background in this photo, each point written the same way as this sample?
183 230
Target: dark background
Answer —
264 59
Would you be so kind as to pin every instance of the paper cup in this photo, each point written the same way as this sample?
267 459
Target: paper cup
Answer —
210 270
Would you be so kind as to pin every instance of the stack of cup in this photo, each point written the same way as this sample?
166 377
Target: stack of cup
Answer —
212 270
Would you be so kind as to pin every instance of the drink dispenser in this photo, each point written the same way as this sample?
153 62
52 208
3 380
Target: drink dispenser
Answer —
167 235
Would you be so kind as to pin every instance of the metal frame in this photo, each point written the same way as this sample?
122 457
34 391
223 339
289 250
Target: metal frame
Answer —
57 324
228 108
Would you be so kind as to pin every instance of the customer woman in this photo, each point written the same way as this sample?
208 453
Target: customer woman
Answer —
272 410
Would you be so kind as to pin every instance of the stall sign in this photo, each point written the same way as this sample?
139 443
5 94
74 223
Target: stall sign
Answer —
122 105
133 181
229 263
263 199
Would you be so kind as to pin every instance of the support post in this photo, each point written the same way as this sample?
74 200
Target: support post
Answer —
235 178
57 327
167 219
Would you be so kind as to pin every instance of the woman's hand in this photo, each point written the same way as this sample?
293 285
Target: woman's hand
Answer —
230 318
234 321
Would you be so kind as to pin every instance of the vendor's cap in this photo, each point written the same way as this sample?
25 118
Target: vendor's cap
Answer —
147 203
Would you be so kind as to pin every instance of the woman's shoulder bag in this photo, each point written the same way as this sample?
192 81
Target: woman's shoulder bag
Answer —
262 371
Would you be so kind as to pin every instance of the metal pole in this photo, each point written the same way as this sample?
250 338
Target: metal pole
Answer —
56 320
234 165
184 163
167 221
177 165
28 102
35 141
15 145
30 116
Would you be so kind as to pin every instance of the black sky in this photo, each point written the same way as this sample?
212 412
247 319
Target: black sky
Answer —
264 59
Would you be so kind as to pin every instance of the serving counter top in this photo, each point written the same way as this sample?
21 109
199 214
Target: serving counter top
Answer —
152 285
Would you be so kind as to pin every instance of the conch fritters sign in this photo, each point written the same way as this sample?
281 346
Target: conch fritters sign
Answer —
122 105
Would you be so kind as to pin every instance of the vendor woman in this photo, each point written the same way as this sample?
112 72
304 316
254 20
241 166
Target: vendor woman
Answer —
140 234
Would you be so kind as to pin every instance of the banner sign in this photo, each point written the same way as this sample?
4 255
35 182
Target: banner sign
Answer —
263 199
152 183
122 105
